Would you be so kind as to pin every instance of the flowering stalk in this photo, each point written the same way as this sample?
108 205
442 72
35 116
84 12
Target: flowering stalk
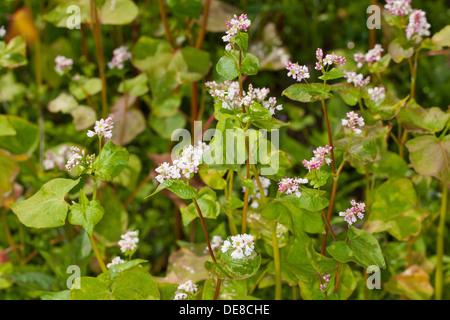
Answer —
333 196
275 247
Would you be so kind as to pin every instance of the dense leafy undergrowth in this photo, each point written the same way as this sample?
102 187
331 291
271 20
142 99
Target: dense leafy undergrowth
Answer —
186 150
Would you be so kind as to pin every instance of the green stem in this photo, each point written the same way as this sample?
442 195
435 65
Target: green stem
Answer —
100 55
9 237
276 260
98 255
330 139
439 279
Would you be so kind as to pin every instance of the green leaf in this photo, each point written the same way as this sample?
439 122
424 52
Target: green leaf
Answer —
134 284
207 203
386 109
293 217
431 156
234 269
111 161
177 186
13 54
308 92
381 65
212 178
227 67
362 151
250 65
332 75
347 285
130 284
360 247
442 37
166 126
310 199
86 213
46 208
64 103
391 165
398 52
122 12
305 262
136 86
348 93
189 8
414 283
86 87
114 222
83 117
394 210
414 118
115 269
241 39
25 138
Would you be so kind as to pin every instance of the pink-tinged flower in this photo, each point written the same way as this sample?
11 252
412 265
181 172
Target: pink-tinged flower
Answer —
63 64
319 54
120 55
418 24
327 277
291 186
374 54
228 93
360 58
377 93
352 121
129 242
234 25
356 211
323 287
320 157
357 79
103 128
398 7
79 158
328 60
297 71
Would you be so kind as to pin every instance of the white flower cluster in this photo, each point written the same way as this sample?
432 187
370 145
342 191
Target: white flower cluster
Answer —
398 7
78 157
229 94
372 55
129 242
352 121
57 159
241 245
357 79
216 243
63 64
115 262
186 164
188 287
120 55
265 183
103 128
418 24
377 93
238 23
2 31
